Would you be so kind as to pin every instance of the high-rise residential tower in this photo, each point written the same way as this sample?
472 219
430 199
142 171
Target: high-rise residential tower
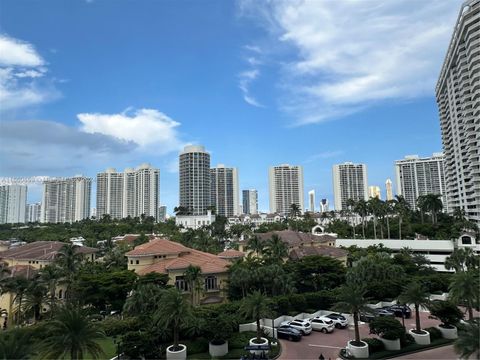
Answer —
66 200
324 205
224 190
311 201
374 192
132 193
349 182
286 188
194 178
250 201
33 212
417 176
389 189
458 99
13 202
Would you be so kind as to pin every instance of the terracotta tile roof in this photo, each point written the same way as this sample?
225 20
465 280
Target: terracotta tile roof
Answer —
25 271
41 250
130 238
158 247
208 263
230 254
295 238
330 251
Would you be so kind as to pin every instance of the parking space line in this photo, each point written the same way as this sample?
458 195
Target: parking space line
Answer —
326 346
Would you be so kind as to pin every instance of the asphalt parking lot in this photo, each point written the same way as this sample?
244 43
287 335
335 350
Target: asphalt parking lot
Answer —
329 345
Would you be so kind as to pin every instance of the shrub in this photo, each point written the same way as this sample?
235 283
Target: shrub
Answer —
387 327
374 345
282 305
297 302
196 346
435 334
115 326
406 340
320 300
445 311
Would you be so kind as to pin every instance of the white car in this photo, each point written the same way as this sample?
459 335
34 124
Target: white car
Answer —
322 324
301 325
339 320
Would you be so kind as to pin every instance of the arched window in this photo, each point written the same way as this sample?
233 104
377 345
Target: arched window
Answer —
466 240
60 293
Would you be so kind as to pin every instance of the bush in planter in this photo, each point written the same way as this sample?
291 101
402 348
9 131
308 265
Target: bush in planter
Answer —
255 306
435 334
407 340
445 311
219 329
374 345
387 327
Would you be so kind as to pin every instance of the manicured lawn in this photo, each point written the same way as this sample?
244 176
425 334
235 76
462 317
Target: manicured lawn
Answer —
107 345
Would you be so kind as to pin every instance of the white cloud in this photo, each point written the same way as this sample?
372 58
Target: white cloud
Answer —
21 71
247 77
148 128
349 54
324 155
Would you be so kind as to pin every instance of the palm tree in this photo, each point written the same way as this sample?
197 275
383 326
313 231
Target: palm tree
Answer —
295 211
375 205
173 313
16 344
16 285
462 260
432 203
256 245
69 260
388 210
255 306
276 248
415 294
464 290
193 278
71 333
181 210
350 209
422 205
467 343
50 275
352 300
35 296
361 209
401 208
143 301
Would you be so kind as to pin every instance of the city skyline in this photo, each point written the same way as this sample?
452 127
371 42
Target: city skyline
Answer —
236 108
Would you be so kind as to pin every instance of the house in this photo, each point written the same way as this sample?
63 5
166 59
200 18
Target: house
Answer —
231 255
172 258
336 253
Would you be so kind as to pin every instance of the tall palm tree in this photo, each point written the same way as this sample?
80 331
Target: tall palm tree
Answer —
462 260
173 313
255 306
16 344
35 296
350 209
143 301
361 209
415 294
464 290
50 275
295 211
276 248
422 205
69 260
256 245
375 206
402 209
388 210
467 343
351 299
434 204
71 333
193 276
16 285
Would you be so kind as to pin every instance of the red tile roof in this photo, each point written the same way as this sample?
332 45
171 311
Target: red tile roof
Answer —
299 253
231 254
208 263
41 250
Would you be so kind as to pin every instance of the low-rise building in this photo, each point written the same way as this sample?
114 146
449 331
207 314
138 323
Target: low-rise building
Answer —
256 219
194 221
436 251
172 258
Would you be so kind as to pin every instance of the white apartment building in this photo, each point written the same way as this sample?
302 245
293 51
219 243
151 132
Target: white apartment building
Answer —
311 201
13 202
195 221
436 251
349 182
194 179
285 188
417 176
250 201
33 212
66 200
224 190
389 189
374 192
458 99
131 193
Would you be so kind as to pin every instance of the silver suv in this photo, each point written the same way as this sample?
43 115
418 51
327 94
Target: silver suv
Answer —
301 325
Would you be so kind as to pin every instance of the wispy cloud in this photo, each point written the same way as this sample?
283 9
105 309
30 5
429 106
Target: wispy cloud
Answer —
22 75
324 155
351 54
247 77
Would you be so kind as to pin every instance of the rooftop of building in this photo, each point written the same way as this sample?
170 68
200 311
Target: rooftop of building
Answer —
231 254
41 250
299 253
296 238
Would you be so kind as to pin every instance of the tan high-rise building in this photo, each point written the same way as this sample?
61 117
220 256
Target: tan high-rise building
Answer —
311 201
286 188
389 189
458 99
374 192
349 182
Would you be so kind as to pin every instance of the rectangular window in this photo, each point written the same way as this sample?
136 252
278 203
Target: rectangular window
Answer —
137 262
211 283
181 284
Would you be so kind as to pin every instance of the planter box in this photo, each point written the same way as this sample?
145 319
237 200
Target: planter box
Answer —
421 339
448 333
253 342
391 344
358 351
216 351
177 355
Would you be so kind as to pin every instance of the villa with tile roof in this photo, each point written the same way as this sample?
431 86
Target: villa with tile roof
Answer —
172 258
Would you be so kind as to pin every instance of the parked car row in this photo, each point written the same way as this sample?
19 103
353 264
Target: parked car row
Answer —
295 329
393 310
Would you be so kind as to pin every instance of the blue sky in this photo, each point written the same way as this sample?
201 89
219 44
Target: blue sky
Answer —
86 85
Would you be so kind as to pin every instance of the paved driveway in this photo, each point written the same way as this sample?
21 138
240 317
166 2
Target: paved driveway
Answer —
329 345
